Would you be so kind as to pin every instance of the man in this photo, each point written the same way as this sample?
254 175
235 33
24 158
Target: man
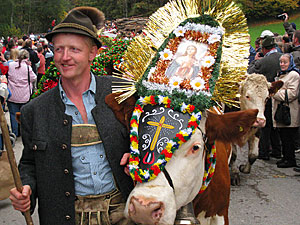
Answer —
75 150
288 27
33 57
295 50
267 65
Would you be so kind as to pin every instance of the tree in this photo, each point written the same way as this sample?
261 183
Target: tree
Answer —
266 8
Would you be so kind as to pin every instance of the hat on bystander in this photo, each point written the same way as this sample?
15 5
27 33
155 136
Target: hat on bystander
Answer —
81 20
266 33
268 42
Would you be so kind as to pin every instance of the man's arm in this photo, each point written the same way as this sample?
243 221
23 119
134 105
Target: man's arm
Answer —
255 65
288 27
22 201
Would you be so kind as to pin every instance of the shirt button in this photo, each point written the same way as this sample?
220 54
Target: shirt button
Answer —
67 194
66 122
34 147
64 146
101 156
95 173
76 113
66 171
68 217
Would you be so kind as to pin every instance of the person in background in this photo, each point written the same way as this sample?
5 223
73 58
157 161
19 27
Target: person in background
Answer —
20 44
41 69
4 95
20 80
257 44
33 57
13 56
268 65
10 46
3 68
290 76
48 56
288 27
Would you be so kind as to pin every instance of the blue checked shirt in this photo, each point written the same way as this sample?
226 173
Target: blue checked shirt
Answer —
92 173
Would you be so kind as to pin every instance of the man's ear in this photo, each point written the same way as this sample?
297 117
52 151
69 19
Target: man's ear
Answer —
93 53
122 111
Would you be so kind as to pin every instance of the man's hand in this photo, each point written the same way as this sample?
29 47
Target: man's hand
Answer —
21 201
124 161
257 56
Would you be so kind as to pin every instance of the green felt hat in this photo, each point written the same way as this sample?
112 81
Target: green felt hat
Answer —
81 20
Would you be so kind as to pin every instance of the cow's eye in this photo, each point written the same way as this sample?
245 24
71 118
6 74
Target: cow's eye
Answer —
247 96
196 147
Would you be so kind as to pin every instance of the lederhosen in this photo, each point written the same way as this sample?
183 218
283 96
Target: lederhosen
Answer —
102 209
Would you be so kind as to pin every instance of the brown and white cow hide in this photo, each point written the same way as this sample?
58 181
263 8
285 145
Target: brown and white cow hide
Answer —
155 202
254 92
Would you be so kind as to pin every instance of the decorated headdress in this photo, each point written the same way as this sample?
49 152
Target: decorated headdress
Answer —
191 56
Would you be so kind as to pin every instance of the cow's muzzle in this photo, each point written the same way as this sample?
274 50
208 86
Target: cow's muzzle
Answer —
145 211
259 122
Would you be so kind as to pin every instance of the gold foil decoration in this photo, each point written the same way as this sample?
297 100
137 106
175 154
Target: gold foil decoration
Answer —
235 46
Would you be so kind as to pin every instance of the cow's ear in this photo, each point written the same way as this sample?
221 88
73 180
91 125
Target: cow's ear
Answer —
229 127
241 86
122 111
275 86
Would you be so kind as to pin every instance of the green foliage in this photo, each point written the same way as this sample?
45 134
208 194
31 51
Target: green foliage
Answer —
6 30
266 8
36 15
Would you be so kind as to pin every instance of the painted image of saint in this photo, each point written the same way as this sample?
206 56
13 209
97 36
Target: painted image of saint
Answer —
186 64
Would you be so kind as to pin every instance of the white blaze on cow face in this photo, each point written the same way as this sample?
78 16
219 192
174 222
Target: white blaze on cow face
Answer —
186 169
254 92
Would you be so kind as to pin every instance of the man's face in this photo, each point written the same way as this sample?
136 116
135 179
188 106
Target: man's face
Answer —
73 55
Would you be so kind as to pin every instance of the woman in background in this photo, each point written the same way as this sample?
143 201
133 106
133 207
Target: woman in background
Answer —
20 79
289 74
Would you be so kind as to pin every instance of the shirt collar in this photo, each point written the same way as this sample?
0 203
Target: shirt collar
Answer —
92 88
272 51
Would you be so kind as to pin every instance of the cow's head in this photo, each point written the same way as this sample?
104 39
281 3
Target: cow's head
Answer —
156 201
254 93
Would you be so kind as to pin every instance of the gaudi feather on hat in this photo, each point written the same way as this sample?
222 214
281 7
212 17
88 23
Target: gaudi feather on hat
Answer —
191 56
81 20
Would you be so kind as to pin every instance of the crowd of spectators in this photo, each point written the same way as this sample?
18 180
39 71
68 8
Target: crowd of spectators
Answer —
277 57
23 62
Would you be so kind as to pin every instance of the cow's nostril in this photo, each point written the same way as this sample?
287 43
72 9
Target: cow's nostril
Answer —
157 213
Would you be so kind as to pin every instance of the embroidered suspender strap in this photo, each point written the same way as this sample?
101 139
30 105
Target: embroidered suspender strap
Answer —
84 135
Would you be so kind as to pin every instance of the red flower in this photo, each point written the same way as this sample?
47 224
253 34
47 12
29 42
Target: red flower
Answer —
166 153
181 138
152 100
137 177
155 169
193 124
192 108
